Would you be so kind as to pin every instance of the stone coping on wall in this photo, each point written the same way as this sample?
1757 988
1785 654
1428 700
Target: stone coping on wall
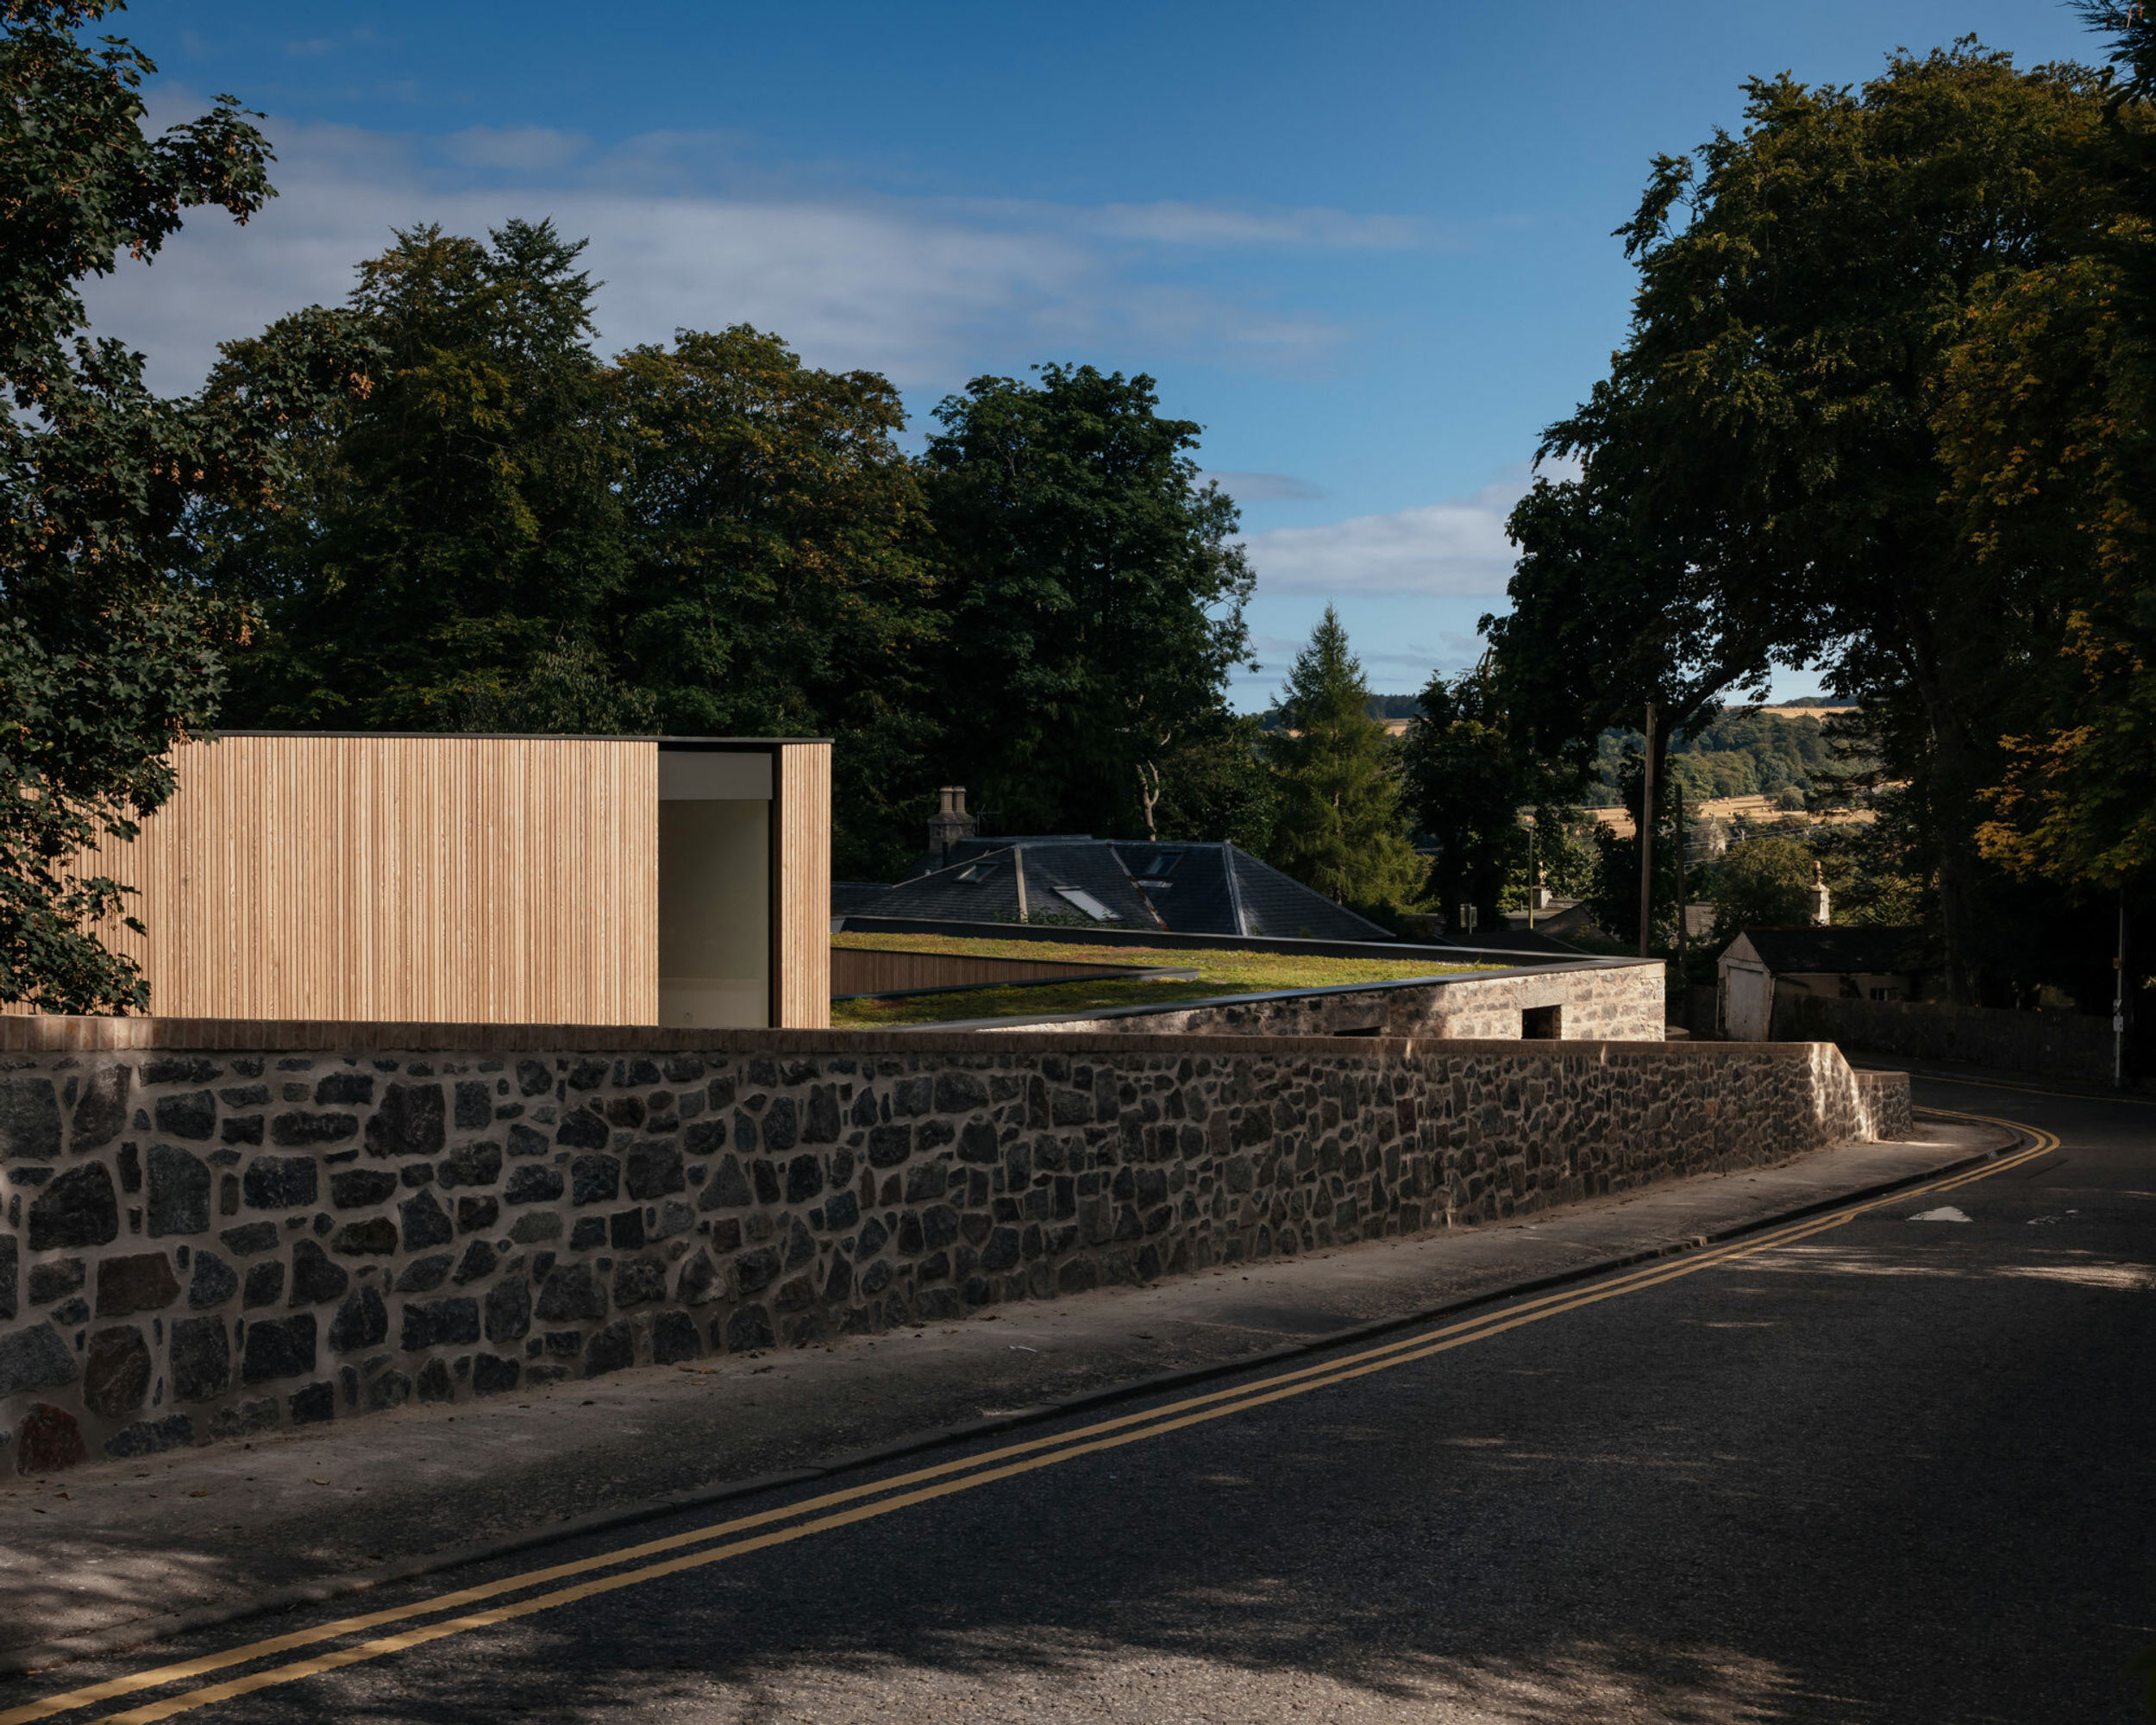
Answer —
55 1034
1540 973
862 922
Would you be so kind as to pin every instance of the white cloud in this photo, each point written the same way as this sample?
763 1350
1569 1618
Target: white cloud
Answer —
1204 224
531 148
1456 549
323 45
1411 662
1263 487
925 291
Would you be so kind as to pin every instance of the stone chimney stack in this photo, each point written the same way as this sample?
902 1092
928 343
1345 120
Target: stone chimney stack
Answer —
950 822
1822 901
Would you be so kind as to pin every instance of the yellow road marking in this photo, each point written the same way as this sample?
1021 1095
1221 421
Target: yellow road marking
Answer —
157 1678
977 1471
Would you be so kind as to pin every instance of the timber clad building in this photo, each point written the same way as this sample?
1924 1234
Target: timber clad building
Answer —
522 879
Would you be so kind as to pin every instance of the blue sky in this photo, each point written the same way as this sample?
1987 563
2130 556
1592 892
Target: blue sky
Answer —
1368 246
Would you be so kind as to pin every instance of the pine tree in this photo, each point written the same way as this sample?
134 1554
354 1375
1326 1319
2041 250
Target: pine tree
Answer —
1340 829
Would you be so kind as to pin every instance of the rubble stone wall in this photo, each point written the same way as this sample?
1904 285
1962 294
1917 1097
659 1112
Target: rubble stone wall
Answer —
200 1240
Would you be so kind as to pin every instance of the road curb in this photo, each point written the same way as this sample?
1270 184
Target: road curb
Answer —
125 1638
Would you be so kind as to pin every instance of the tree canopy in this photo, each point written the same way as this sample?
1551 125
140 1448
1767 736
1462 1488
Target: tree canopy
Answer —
1467 779
1341 829
779 575
1096 600
1763 882
456 522
107 652
1763 479
2046 419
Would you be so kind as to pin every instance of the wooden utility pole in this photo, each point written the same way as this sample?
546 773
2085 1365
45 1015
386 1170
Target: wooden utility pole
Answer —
1677 791
2118 1002
1646 838
1534 832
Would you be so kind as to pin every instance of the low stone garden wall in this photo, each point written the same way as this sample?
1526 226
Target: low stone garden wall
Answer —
202 1240
2061 1044
1585 1000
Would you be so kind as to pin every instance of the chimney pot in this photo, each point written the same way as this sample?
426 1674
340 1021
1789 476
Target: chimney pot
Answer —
950 822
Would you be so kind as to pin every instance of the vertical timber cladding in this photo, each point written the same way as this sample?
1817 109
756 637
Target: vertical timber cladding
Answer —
801 979
421 879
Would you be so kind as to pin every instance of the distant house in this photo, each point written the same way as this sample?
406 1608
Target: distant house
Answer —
1184 889
1554 916
1763 965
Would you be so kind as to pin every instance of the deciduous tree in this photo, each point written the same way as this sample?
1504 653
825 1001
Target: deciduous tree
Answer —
1096 604
455 524
780 576
1764 453
2046 419
1467 782
107 656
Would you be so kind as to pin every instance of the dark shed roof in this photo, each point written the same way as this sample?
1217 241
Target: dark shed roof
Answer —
1797 951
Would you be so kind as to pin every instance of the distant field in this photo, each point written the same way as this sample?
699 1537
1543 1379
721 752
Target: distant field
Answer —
1219 972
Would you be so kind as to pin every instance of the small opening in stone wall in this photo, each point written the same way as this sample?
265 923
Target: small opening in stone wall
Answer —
1363 1030
1542 1024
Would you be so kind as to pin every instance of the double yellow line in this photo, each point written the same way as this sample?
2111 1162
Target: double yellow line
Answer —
654 1559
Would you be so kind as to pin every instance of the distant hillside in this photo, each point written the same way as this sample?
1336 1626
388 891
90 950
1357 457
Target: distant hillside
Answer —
1760 753
1377 706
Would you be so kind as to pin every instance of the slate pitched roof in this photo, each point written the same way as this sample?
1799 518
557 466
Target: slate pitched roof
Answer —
857 897
1276 904
980 887
1186 889
1799 951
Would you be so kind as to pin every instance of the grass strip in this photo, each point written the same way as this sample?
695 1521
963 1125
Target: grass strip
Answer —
1220 971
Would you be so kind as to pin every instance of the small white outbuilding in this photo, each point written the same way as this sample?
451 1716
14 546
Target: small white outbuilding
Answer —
1762 967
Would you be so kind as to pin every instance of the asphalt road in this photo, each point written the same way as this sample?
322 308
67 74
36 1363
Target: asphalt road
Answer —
1886 1469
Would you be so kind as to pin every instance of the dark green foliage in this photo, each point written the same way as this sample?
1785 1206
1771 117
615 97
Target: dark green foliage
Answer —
1377 706
778 583
707 539
569 691
456 523
1620 598
1216 788
1341 828
1615 901
92 695
714 538
1763 882
1096 598
1762 475
1467 782
1749 754
1566 858
106 659
1865 867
